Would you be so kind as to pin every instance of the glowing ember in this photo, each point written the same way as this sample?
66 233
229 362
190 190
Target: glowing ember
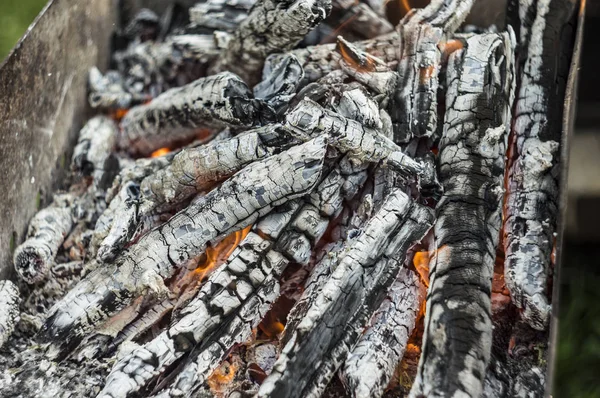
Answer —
363 64
160 152
222 377
213 258
421 264
119 114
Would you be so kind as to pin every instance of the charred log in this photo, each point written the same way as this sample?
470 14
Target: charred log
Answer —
237 203
458 327
334 322
421 31
219 100
533 176
269 28
47 231
372 362
10 299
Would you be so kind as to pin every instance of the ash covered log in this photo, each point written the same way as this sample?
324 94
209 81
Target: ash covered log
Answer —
10 298
367 69
237 203
320 60
532 199
47 231
271 27
191 172
372 362
214 101
333 324
361 142
458 328
93 153
107 91
421 32
222 15
248 277
281 78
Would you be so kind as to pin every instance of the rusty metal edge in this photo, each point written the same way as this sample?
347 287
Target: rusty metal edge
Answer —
568 125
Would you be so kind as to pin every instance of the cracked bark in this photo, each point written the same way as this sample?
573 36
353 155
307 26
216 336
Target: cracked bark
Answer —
532 198
10 299
458 328
251 273
47 231
370 366
270 27
361 142
93 153
237 203
334 322
215 101
421 31
320 60
222 15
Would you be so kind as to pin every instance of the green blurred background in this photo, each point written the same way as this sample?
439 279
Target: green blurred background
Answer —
578 368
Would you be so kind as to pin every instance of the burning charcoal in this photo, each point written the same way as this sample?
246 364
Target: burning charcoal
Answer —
219 100
271 27
369 70
144 25
458 327
235 204
334 322
191 172
107 92
532 199
255 263
47 231
421 32
371 364
93 153
318 61
9 309
223 15
281 77
360 141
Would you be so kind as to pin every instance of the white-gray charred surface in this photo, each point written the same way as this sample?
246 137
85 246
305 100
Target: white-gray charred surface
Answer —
47 231
272 26
371 364
532 198
361 142
222 15
178 114
9 309
320 60
333 324
421 32
367 69
458 327
281 78
288 233
107 91
235 204
93 154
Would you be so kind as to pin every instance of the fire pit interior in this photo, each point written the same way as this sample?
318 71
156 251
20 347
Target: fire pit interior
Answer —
303 198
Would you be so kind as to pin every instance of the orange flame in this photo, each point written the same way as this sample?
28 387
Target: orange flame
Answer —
160 152
119 114
421 264
214 257
221 377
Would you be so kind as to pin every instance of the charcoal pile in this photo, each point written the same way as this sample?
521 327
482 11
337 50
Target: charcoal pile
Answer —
302 198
